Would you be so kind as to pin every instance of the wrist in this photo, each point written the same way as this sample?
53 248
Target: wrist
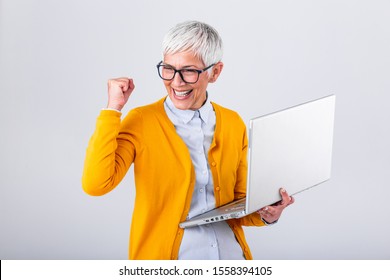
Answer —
114 107
268 223
111 109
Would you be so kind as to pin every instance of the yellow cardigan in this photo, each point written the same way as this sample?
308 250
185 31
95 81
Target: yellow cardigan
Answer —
164 174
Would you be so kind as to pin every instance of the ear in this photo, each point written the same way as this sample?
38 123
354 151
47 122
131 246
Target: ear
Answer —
215 72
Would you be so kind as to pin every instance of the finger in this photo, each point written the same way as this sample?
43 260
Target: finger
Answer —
122 83
127 85
267 211
283 192
292 200
265 215
271 210
130 86
284 195
263 211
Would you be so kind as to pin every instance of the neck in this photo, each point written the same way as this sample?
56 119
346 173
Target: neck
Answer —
204 102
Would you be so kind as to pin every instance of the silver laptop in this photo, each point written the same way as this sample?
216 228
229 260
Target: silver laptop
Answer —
291 148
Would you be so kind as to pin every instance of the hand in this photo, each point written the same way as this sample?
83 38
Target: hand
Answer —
119 91
273 212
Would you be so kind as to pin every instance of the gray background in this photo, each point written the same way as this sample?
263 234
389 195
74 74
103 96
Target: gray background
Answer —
56 57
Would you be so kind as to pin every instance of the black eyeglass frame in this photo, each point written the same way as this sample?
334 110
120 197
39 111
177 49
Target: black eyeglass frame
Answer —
179 71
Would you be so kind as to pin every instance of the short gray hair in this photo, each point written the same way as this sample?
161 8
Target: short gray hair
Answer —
198 37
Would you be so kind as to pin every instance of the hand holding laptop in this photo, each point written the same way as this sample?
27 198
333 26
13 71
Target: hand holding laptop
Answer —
270 214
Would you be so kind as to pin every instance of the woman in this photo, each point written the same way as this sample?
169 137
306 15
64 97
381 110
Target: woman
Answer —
189 155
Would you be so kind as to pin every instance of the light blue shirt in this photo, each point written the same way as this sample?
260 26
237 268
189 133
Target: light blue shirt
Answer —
214 241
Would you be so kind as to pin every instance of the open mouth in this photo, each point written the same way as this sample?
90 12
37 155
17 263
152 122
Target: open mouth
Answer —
182 93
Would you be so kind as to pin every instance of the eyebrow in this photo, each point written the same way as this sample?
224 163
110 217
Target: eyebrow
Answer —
187 66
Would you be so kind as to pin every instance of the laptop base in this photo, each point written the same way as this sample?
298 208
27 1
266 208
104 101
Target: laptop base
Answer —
232 210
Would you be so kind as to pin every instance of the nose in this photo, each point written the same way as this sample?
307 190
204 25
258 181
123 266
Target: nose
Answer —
177 80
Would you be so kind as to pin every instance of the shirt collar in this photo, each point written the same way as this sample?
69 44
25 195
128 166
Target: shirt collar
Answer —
187 115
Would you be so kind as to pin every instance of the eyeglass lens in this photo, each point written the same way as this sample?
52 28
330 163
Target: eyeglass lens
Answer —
187 75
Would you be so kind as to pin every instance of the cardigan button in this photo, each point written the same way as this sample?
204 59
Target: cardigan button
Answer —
218 188
213 163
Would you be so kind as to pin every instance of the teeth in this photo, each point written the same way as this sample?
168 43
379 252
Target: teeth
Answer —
182 93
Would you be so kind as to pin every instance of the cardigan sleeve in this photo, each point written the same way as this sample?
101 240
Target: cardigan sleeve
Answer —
110 152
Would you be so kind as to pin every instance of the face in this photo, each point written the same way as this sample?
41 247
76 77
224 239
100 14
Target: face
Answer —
189 96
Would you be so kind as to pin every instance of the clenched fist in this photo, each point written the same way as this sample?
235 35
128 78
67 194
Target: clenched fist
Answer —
119 91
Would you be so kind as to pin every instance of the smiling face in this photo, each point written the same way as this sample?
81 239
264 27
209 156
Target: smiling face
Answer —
189 96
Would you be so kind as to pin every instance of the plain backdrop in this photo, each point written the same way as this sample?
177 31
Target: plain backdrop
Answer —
55 60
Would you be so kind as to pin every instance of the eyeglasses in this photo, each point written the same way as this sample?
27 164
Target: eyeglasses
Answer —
189 76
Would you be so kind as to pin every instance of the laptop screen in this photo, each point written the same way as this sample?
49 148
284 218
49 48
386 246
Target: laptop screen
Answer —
291 148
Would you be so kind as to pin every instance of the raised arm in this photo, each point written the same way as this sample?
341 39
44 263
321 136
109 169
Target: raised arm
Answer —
109 154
